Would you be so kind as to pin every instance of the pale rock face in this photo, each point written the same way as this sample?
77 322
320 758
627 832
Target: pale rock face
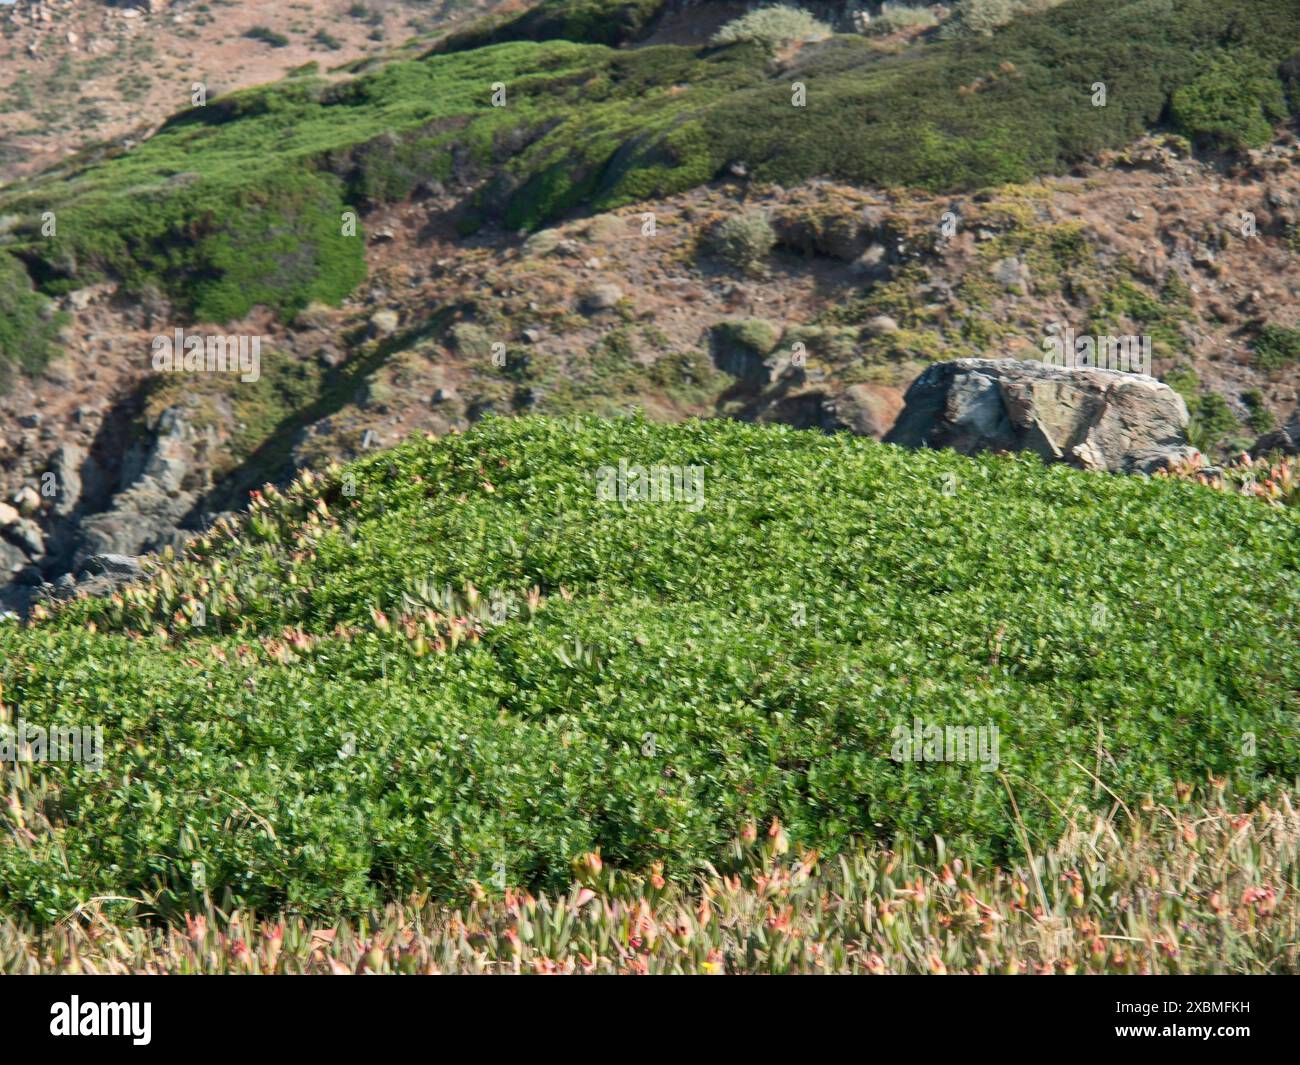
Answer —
1089 418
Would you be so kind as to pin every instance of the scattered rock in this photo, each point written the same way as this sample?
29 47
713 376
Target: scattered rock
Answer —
1012 275
869 410
27 535
600 297
26 499
383 323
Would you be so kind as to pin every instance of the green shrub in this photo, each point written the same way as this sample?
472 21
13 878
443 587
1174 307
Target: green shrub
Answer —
472 341
611 22
743 241
753 334
1261 419
1234 104
773 26
337 733
29 323
267 36
1276 348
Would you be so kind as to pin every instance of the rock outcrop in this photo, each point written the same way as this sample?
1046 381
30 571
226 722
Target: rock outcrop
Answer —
1285 439
1090 418
160 489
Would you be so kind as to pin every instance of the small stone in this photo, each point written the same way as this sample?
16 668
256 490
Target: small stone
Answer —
383 323
26 499
1012 275
601 297
27 535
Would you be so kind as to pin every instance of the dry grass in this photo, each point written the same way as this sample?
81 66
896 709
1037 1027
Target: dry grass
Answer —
1154 890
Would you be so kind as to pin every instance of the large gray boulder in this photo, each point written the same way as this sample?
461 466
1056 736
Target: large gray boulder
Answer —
1090 418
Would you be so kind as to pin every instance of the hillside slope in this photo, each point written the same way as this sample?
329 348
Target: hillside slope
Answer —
456 657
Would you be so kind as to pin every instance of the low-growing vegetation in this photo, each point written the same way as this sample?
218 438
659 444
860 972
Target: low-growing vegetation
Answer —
455 658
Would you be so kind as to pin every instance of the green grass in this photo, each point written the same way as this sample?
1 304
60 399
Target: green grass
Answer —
660 690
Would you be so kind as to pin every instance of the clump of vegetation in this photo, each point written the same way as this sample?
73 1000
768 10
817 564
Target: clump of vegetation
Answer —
1276 347
471 340
743 241
1274 479
610 22
327 40
1199 888
897 17
29 323
1261 419
457 655
1210 418
1233 104
753 334
267 36
772 27
985 17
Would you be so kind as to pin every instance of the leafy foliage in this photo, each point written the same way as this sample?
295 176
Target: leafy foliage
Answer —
29 322
1234 103
339 731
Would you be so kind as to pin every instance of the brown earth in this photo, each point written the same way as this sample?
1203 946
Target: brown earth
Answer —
81 71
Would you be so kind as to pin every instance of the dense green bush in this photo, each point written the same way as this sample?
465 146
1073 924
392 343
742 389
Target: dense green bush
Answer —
985 17
1235 103
29 323
330 736
895 17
